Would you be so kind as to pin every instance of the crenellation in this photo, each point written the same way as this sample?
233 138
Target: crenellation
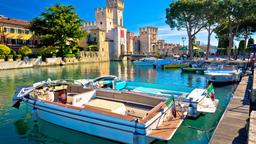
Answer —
87 24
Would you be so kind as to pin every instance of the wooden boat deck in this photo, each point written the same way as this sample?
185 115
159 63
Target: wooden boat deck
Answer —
167 129
232 127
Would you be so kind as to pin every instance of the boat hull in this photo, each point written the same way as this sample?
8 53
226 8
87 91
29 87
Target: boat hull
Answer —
100 125
222 78
193 70
141 63
173 66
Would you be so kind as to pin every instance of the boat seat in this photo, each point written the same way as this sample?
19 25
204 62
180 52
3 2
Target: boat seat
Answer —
136 112
80 99
109 106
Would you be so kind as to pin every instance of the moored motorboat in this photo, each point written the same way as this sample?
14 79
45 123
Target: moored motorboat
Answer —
175 64
194 68
201 101
223 73
127 117
145 61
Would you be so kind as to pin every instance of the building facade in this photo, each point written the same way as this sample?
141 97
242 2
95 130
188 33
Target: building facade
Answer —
130 42
15 33
148 43
148 39
110 21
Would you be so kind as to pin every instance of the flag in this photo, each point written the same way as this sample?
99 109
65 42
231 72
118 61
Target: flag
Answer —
170 101
210 92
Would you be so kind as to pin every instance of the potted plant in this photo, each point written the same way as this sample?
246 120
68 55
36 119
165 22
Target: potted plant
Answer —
2 57
4 51
10 58
25 51
18 57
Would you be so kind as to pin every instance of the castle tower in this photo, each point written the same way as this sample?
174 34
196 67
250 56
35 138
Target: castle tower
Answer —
148 39
118 7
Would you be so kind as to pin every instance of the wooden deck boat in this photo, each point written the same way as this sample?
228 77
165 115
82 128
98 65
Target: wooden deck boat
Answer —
194 101
127 117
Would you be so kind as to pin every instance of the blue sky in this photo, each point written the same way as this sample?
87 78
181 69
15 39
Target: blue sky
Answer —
137 13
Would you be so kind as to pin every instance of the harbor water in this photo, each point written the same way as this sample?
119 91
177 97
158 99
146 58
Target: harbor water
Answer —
17 126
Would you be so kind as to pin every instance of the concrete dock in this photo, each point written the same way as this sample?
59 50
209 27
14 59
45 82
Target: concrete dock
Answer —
233 126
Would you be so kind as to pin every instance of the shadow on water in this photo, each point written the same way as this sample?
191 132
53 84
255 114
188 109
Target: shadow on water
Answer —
64 135
21 126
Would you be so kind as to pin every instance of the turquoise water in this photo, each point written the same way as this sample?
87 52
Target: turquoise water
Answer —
17 126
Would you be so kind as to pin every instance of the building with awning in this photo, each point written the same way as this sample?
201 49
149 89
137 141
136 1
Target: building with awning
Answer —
15 33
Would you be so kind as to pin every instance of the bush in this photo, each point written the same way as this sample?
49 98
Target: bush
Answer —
2 57
70 55
10 56
25 50
18 56
47 51
4 50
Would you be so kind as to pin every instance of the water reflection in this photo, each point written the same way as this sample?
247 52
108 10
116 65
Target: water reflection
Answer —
18 127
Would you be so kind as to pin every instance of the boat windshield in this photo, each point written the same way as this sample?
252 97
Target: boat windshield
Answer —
228 67
213 67
222 67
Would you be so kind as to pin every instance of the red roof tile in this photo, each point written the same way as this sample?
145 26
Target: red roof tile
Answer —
13 21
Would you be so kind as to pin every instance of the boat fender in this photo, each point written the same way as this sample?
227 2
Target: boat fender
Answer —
174 112
136 122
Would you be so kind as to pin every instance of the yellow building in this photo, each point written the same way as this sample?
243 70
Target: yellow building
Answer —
15 33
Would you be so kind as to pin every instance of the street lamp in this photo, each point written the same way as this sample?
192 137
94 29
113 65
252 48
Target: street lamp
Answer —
183 39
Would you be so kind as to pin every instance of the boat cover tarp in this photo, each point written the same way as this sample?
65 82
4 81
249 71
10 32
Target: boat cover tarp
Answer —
207 105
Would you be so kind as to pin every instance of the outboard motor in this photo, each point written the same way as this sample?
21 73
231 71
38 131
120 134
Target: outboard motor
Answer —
192 109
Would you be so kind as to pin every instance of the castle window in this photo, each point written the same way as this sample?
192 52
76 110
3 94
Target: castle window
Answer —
101 23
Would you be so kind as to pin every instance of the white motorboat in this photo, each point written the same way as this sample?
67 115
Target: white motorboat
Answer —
127 117
198 102
223 73
145 61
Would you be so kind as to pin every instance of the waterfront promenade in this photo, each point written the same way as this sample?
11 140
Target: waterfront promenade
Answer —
233 125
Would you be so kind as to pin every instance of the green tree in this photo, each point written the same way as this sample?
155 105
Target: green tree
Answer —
4 50
25 50
246 29
222 42
232 14
211 17
250 42
59 26
241 47
186 15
